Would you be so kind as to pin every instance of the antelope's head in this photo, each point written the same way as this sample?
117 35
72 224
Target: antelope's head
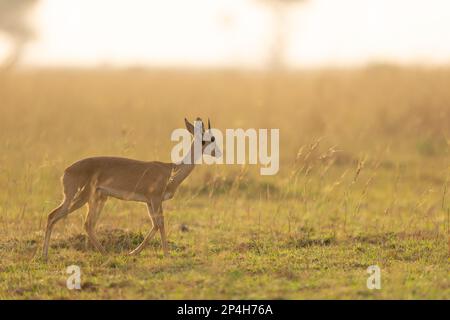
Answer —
205 137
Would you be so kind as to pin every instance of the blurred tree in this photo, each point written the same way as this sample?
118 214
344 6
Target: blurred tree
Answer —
13 23
279 9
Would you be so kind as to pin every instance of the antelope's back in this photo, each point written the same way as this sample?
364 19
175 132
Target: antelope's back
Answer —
123 174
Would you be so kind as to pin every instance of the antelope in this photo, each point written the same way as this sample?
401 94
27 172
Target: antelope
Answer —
92 180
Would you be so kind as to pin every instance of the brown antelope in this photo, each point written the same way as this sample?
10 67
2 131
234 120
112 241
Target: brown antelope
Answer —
92 180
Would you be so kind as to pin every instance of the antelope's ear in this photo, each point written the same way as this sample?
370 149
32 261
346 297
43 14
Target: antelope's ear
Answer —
189 126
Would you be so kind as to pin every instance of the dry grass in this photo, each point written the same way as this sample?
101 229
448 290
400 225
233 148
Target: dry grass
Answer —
363 180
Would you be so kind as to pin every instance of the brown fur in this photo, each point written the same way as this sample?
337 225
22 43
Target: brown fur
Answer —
92 180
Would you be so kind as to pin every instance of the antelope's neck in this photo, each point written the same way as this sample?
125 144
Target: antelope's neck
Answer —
180 172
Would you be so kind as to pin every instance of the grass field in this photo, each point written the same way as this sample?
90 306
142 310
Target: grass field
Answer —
364 180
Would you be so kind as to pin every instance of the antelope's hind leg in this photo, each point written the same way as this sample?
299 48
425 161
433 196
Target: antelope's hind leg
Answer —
72 201
96 204
57 213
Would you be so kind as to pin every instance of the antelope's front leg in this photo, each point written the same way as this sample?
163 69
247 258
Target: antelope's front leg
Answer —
151 233
160 223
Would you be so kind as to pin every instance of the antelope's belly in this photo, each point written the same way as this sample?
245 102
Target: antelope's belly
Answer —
123 194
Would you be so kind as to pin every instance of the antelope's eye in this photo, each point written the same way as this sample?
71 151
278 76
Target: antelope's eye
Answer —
213 139
203 142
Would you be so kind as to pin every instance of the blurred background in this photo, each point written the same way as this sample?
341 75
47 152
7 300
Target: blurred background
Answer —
358 74
254 34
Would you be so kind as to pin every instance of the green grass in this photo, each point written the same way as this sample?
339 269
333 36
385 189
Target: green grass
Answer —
232 261
373 191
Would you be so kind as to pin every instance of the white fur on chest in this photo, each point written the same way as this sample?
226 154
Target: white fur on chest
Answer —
168 195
